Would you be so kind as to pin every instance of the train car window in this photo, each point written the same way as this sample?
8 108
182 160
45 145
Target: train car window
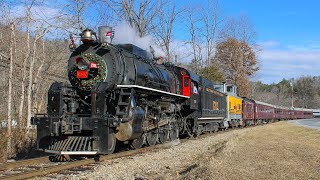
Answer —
229 88
215 105
194 88
186 82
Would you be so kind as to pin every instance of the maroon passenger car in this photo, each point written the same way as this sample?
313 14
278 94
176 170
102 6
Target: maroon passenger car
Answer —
301 113
283 113
248 111
264 112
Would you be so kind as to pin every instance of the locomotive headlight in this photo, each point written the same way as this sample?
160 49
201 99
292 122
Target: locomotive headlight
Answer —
82 64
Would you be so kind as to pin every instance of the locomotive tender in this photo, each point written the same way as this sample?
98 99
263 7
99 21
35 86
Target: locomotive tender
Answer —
119 93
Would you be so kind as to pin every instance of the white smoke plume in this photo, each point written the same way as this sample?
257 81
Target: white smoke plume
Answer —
125 34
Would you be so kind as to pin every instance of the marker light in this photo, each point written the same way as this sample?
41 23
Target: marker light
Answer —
82 74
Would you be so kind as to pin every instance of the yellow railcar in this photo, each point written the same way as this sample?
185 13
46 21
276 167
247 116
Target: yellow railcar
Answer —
234 105
235 111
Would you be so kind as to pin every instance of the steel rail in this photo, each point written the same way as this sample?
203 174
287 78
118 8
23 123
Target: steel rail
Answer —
11 165
70 165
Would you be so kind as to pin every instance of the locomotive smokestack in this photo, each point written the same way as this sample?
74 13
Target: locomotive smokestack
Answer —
105 34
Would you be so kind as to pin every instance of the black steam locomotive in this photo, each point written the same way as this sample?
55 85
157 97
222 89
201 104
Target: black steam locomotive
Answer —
121 93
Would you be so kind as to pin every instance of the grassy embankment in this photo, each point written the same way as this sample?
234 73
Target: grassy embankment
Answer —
275 151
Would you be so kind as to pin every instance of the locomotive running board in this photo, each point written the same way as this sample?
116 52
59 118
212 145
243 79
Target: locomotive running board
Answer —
72 152
151 89
210 119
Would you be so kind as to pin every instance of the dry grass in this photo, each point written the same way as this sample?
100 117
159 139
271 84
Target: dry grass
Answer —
276 151
3 145
21 148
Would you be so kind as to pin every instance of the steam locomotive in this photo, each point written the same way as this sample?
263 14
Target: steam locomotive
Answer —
121 93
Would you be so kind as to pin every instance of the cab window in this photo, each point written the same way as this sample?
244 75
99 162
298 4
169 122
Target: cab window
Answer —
186 82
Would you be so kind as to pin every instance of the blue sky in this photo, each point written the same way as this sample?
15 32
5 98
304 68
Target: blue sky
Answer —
288 32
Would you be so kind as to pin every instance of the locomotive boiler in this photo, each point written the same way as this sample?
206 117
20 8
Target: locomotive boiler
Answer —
116 93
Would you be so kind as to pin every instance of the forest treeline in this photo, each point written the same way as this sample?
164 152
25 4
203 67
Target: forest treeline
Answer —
34 39
302 92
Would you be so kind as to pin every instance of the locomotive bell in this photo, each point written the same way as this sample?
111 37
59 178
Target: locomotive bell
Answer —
86 35
105 34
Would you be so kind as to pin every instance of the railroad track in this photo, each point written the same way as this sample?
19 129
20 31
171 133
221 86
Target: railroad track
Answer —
43 167
23 170
16 164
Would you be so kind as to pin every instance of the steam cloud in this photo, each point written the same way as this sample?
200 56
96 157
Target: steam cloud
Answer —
125 34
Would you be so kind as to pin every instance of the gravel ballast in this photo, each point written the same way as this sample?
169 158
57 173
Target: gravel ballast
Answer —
171 163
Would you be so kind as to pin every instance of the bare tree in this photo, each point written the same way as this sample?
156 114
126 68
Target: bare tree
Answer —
39 76
54 55
76 15
164 23
105 15
195 40
144 15
24 67
238 28
40 32
79 5
10 92
139 15
10 79
210 19
76 12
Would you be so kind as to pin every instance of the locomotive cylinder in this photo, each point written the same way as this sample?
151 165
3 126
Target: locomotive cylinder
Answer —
133 128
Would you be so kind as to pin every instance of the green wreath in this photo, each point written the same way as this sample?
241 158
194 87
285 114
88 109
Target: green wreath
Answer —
87 84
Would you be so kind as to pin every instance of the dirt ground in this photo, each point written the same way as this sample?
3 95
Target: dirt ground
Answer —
274 151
